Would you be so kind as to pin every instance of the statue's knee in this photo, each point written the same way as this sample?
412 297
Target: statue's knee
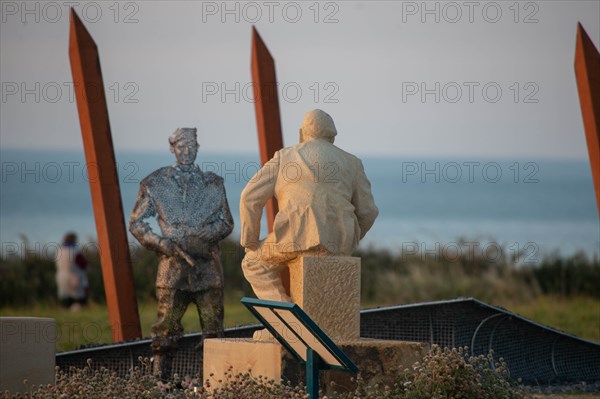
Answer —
165 343
252 264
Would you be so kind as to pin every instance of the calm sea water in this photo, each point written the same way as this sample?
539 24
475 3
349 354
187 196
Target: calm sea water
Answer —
533 206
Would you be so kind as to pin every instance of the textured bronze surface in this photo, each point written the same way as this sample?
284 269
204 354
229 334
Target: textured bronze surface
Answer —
587 72
268 120
193 215
104 185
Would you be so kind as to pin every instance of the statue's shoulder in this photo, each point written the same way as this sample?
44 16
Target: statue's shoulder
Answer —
212 178
285 152
158 176
351 157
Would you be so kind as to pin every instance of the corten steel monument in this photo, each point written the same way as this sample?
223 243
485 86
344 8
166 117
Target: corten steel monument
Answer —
587 72
268 120
266 105
106 197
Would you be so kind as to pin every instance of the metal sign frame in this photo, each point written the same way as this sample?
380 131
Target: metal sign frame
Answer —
302 337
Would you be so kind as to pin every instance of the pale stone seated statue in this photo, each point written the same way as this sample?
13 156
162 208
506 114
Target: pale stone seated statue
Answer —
325 206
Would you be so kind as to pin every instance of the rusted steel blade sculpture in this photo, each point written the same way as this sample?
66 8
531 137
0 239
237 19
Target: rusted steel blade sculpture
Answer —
587 72
104 185
268 120
266 105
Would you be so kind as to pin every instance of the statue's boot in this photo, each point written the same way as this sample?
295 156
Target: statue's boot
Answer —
163 365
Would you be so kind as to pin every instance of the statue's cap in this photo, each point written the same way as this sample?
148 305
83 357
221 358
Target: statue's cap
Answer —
318 124
183 133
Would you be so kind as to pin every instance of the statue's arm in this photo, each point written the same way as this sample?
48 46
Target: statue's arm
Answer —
222 225
254 197
363 201
142 210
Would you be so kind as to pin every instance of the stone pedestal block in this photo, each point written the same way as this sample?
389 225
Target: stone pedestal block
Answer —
240 355
27 352
375 360
327 288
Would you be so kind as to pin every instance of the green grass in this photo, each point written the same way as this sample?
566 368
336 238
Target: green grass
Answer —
90 325
579 316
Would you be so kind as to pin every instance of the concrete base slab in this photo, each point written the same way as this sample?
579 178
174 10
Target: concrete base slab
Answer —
27 352
374 358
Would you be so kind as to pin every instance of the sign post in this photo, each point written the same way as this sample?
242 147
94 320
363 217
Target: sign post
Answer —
302 337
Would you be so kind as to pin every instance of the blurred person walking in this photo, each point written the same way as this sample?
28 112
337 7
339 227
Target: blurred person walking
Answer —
71 274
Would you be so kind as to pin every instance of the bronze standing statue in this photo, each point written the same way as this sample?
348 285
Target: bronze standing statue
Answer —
193 216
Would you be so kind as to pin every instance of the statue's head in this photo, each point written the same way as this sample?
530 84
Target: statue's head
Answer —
184 145
317 124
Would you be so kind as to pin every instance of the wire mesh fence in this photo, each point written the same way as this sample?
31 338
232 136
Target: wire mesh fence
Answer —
534 353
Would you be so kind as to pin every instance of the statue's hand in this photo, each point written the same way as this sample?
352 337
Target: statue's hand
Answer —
167 246
252 246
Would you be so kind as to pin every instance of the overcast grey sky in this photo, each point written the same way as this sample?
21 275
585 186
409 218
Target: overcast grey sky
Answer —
453 79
